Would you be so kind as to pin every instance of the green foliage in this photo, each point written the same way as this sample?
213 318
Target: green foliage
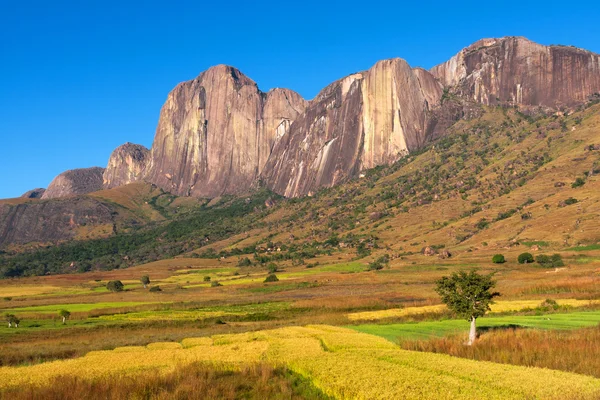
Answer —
467 294
206 279
215 284
553 261
244 262
272 268
578 183
64 313
570 200
482 224
115 286
380 263
271 278
525 258
498 259
145 280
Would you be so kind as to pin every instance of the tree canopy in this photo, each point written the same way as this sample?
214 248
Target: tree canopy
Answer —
467 293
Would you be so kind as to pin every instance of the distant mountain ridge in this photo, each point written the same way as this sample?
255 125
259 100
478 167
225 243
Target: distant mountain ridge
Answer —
219 134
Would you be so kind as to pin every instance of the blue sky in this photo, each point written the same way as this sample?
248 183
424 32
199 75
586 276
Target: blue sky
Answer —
79 78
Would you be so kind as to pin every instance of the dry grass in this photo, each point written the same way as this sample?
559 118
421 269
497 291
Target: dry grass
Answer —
574 351
195 381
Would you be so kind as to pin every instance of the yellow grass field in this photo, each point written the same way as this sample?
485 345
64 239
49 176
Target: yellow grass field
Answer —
339 361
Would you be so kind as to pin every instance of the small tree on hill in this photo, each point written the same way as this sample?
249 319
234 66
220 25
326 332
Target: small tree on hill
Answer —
64 314
498 259
271 278
12 319
115 286
525 258
145 280
468 295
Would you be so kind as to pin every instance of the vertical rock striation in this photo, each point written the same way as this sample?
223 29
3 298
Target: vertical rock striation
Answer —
75 182
516 71
212 137
125 165
362 121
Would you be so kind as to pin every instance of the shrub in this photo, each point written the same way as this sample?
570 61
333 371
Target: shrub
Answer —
379 263
215 284
482 224
155 289
244 262
570 201
549 304
553 261
498 259
272 268
207 279
578 183
525 258
271 278
115 286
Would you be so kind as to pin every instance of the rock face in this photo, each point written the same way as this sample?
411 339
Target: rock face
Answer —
517 71
34 194
216 132
75 182
50 221
361 121
125 165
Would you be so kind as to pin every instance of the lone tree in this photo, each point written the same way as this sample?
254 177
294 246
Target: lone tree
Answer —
64 314
468 295
145 280
12 319
115 286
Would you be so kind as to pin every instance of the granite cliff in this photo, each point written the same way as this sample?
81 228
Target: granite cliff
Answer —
75 182
517 71
125 165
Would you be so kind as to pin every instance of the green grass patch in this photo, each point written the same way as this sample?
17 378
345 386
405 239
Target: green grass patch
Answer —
540 243
585 248
79 307
270 288
429 329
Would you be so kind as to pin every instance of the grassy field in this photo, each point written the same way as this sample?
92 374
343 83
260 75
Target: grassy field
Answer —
334 359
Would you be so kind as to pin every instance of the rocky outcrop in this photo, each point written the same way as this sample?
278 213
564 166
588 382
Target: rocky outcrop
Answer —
362 121
50 221
34 194
216 132
126 164
75 182
516 71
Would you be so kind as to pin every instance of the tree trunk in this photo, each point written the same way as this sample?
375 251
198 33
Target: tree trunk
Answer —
472 332
16 325
10 325
64 320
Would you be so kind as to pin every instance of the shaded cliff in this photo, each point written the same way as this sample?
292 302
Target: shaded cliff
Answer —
362 121
215 133
34 193
75 182
517 71
125 165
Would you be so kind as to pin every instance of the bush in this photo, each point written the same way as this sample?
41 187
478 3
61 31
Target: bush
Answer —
244 262
155 289
207 279
548 304
553 261
215 284
570 201
578 183
272 268
379 263
115 286
525 258
271 278
498 259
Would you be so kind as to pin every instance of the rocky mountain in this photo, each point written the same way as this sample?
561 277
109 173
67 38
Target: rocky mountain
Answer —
34 194
51 221
126 164
362 121
216 132
517 71
74 182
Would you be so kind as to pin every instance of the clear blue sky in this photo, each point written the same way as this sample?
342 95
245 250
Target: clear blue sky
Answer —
78 78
